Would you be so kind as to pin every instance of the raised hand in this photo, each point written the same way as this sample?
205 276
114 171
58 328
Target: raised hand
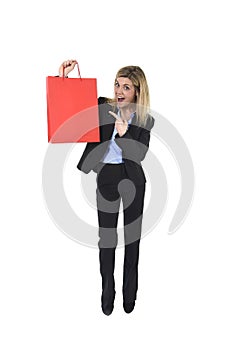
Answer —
67 67
120 124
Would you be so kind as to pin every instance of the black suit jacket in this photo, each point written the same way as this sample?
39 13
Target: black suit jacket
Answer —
134 144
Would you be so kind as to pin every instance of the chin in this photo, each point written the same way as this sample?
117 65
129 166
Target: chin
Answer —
122 104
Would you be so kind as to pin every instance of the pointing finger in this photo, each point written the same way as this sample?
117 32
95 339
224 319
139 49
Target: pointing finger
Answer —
115 115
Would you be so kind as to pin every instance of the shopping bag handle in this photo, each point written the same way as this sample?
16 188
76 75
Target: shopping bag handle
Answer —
79 74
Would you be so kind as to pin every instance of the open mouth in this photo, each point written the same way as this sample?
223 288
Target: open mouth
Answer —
121 99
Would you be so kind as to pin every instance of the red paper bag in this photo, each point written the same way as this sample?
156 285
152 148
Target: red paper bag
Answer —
72 110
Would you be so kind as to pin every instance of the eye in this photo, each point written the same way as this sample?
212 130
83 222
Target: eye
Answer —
126 87
116 84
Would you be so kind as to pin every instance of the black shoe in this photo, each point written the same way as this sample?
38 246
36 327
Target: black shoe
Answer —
128 307
107 307
107 303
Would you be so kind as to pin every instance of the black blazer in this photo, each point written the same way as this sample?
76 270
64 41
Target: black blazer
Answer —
134 144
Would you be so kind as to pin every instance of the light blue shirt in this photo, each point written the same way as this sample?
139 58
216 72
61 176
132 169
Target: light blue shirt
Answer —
113 154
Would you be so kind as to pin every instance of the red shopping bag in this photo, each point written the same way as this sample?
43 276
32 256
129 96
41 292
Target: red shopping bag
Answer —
72 109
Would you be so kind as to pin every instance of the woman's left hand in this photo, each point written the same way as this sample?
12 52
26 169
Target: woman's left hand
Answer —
120 124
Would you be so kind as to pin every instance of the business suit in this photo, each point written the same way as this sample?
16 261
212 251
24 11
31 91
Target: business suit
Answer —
133 156
134 144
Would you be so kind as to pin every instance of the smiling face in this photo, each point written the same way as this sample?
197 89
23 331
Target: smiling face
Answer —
124 92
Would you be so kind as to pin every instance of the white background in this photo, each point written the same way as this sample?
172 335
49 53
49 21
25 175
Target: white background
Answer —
50 285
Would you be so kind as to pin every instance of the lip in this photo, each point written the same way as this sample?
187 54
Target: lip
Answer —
120 99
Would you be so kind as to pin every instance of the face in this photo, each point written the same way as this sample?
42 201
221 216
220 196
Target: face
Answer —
124 92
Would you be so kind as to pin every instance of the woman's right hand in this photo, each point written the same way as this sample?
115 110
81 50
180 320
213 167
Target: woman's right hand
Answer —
67 67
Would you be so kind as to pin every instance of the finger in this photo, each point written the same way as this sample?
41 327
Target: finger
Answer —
121 121
67 63
115 115
73 62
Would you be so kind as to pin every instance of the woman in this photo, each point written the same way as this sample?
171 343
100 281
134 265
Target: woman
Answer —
124 140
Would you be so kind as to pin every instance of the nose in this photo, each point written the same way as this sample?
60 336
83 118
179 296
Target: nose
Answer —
119 90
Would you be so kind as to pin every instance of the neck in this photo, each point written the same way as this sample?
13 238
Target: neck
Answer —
126 112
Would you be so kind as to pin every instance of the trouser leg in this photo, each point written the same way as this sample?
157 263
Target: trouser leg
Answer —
108 202
130 271
107 261
132 234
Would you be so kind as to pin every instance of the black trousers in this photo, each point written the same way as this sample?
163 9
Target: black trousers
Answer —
112 186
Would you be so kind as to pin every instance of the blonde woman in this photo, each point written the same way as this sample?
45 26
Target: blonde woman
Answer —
125 126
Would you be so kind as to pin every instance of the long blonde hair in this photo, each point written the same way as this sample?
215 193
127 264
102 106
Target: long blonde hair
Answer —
138 78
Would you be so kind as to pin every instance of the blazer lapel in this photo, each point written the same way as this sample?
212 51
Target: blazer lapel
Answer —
106 122
134 129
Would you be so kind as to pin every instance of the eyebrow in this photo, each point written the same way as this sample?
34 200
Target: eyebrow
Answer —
116 81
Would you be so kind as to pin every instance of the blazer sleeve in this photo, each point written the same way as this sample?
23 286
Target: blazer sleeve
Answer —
135 149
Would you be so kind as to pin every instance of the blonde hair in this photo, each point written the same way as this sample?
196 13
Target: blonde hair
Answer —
138 78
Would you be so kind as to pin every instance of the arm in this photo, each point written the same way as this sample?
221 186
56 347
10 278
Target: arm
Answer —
94 151
135 149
